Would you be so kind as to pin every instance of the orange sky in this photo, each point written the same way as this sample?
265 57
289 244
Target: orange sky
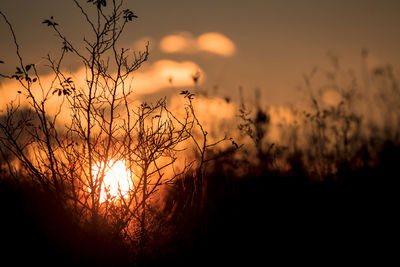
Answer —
255 44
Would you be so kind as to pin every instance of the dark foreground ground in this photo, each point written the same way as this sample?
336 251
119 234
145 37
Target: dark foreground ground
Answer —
259 220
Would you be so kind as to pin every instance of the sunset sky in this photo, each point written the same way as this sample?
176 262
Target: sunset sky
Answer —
254 44
249 127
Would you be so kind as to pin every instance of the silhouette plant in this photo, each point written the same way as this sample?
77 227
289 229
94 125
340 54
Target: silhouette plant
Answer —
69 157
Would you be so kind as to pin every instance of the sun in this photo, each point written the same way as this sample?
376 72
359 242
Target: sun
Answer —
117 180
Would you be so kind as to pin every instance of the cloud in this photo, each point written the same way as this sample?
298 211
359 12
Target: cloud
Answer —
183 42
152 79
216 43
164 74
211 42
11 91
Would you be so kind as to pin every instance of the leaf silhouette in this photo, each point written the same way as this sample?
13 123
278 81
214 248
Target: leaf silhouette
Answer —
145 106
49 22
98 3
68 80
129 15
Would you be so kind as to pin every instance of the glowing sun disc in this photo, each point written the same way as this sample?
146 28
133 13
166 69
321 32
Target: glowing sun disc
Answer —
117 180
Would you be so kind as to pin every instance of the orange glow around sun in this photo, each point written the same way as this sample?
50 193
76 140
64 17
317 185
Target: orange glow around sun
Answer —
117 180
